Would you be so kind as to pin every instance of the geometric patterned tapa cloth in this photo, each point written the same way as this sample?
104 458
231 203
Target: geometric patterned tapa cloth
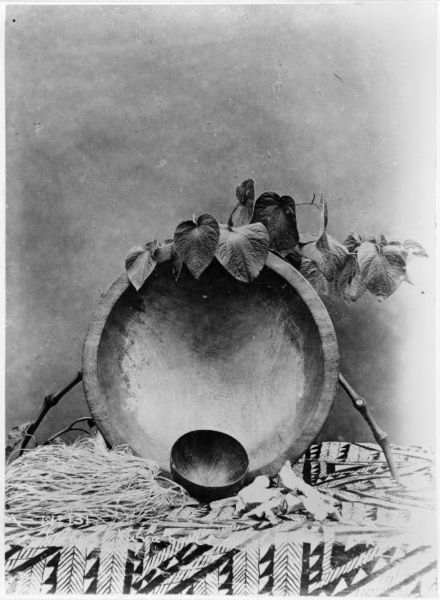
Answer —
384 545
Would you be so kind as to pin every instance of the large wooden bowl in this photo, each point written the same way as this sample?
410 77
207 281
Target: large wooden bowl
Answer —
257 361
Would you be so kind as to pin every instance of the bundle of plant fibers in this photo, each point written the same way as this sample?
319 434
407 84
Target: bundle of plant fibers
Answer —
83 485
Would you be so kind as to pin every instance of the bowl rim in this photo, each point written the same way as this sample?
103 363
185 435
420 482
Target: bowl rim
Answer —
330 354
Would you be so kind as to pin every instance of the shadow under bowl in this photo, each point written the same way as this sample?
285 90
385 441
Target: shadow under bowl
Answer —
209 464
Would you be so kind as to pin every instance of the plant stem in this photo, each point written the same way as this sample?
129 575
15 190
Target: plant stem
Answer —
49 402
69 428
380 435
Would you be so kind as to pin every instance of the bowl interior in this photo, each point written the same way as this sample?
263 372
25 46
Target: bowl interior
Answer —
209 458
214 354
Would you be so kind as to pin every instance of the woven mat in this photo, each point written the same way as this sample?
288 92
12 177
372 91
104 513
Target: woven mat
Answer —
384 545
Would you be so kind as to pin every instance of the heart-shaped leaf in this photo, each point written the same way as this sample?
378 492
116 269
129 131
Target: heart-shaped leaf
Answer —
243 250
196 242
315 277
312 218
324 208
140 263
382 268
349 282
294 258
176 264
353 241
319 253
309 222
308 238
338 251
242 213
245 192
395 245
327 254
415 248
278 215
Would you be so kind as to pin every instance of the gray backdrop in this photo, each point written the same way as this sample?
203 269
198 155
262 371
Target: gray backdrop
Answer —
122 121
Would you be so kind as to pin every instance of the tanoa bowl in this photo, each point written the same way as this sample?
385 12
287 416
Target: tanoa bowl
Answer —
209 464
256 361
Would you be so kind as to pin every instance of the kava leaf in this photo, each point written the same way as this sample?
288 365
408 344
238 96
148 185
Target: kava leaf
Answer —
242 213
327 254
349 282
353 241
312 220
415 248
315 276
140 263
243 250
196 241
381 268
278 215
